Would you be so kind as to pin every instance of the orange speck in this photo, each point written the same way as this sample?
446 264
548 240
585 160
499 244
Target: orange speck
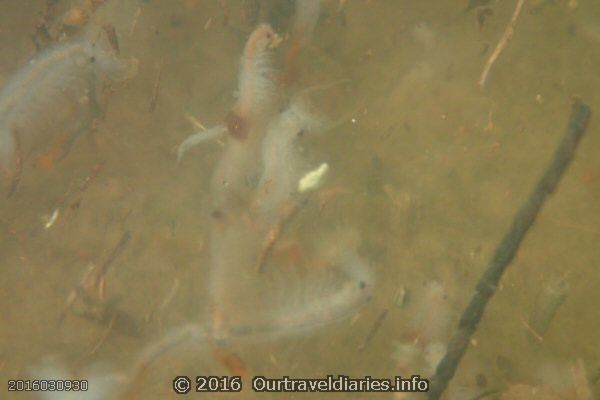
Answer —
48 160
290 254
292 70
237 126
590 177
326 195
234 364
75 17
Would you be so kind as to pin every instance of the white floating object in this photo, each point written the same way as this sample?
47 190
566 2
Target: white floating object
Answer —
50 221
312 179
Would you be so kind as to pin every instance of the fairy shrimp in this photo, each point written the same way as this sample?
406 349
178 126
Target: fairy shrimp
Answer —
56 92
256 92
256 89
230 360
316 300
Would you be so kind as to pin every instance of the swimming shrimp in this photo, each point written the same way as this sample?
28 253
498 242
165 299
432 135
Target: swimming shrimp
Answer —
256 87
281 167
256 95
55 92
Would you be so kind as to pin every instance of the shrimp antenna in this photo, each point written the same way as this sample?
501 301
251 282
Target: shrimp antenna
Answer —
198 138
325 86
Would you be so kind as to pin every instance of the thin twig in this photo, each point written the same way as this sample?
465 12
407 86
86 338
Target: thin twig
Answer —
533 332
156 89
113 39
90 289
104 335
83 185
374 329
196 122
506 250
135 20
508 32
16 175
114 253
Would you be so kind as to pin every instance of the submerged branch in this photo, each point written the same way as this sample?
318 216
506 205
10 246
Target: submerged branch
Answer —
505 252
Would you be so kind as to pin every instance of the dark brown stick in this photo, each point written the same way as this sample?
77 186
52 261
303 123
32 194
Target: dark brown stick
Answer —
114 253
374 328
505 252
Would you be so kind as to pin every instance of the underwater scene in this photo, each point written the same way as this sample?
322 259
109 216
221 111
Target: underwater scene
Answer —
290 199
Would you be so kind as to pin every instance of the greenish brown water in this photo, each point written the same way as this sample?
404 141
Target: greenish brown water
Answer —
429 169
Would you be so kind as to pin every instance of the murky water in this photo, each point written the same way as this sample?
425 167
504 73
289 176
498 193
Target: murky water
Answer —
427 167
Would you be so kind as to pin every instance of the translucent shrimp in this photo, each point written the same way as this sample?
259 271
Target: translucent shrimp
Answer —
256 86
281 167
305 304
256 91
55 91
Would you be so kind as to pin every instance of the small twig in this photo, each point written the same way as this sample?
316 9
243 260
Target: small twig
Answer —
170 296
154 98
82 186
533 332
114 254
508 32
16 175
196 122
208 24
137 14
160 307
507 249
91 287
112 37
374 329
104 335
